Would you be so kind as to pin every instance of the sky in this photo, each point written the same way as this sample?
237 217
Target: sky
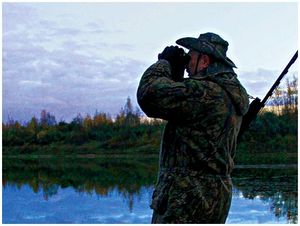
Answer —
70 58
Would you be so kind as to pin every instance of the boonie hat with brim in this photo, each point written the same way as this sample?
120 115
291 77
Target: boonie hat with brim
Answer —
209 43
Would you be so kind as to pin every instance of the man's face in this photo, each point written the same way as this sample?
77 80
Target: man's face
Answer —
193 67
192 63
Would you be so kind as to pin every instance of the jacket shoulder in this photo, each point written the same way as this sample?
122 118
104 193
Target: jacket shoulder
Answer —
160 68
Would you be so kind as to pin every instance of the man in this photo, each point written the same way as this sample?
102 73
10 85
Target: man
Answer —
204 114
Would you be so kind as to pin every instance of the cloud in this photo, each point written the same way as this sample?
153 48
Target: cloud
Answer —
14 14
257 83
33 83
64 76
94 28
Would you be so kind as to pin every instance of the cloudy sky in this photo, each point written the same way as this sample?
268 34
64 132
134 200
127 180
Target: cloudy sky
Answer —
71 58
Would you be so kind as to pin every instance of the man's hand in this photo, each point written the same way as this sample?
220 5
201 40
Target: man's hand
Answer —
177 59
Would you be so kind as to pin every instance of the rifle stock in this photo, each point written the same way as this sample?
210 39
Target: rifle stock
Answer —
253 110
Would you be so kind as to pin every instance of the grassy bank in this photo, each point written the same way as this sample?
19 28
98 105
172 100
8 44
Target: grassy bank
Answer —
58 149
94 149
266 158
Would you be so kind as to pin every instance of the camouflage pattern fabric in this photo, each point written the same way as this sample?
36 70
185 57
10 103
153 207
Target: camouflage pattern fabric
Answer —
185 196
204 114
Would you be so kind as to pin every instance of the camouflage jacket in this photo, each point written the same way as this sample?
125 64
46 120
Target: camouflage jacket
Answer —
204 115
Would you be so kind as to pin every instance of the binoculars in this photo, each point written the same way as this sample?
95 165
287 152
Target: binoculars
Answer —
175 54
178 60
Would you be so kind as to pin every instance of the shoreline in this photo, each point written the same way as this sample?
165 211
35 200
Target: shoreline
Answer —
140 155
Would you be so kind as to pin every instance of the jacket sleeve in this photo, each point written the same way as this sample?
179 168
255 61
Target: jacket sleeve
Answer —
161 97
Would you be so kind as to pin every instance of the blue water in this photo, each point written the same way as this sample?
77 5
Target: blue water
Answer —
66 205
252 211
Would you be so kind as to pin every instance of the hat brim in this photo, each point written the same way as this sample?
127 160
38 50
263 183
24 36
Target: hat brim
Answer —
204 47
187 42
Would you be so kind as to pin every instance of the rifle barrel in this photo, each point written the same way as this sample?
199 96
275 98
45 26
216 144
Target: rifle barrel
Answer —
277 82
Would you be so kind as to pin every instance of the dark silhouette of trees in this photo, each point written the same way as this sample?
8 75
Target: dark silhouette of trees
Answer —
125 131
272 131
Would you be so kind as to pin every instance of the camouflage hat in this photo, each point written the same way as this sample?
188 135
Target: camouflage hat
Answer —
209 43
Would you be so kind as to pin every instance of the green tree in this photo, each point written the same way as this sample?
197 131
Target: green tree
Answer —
290 97
101 118
127 116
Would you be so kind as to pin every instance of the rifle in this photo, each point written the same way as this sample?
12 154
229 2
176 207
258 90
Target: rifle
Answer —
256 105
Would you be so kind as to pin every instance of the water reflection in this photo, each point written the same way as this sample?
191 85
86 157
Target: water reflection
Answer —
131 179
101 175
69 206
278 187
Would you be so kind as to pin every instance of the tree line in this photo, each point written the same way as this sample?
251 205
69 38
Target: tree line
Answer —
274 129
127 130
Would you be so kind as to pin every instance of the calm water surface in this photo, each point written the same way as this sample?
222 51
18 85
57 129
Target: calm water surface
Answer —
119 190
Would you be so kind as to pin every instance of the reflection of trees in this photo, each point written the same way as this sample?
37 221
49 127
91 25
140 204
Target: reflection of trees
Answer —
280 191
285 205
49 190
129 175
101 175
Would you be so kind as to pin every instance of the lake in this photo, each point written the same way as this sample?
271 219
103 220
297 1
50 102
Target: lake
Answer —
119 190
